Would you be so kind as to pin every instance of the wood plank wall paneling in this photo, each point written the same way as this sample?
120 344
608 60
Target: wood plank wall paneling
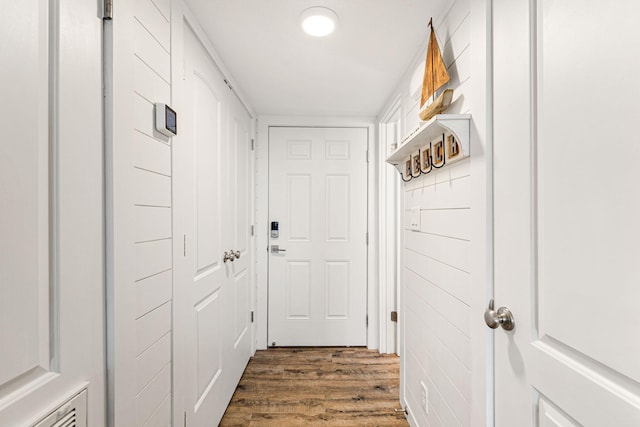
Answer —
152 213
436 261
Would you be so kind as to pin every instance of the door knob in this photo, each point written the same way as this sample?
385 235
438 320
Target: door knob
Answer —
236 254
276 249
502 317
229 256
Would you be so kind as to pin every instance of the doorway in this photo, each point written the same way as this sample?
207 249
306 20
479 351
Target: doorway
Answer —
389 231
318 236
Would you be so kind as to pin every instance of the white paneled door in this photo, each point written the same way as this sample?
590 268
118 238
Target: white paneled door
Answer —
212 293
566 212
51 222
317 274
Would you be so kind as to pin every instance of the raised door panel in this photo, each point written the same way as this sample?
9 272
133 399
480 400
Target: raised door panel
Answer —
207 110
336 207
337 290
209 344
240 139
25 178
586 218
299 190
298 290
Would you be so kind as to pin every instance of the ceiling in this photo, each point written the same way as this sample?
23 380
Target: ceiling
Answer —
281 70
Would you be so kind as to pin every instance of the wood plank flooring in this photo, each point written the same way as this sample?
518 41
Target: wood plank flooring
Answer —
317 387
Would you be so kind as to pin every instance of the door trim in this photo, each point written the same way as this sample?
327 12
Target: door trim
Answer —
262 215
482 388
389 234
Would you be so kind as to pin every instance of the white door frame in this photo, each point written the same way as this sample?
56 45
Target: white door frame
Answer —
389 234
262 216
481 138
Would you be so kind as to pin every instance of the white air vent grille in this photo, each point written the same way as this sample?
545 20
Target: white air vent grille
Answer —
73 413
68 420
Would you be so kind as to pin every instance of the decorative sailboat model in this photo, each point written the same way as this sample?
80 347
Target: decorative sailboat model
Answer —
435 76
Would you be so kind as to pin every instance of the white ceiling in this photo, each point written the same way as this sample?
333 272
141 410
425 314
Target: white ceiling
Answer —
281 70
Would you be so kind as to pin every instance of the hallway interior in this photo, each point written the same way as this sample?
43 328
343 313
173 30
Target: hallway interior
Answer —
325 386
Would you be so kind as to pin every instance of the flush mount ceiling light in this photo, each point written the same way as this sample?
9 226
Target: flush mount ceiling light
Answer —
319 21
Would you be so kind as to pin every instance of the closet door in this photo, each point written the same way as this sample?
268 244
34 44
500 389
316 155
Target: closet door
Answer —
566 214
211 283
238 209
51 254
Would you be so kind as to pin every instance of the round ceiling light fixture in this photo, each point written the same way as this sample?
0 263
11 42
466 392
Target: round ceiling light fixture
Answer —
319 21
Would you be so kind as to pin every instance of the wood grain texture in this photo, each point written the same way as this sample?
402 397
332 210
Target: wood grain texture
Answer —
317 387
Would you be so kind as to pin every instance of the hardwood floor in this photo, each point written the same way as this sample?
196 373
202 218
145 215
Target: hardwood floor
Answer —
317 387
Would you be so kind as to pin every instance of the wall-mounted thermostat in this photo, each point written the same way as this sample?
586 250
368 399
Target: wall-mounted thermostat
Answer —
166 120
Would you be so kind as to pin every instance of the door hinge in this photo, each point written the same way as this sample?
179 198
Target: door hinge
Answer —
185 418
252 317
367 238
107 13
253 144
184 245
252 230
394 316
367 156
366 320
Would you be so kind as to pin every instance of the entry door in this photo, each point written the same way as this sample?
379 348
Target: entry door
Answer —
567 203
318 274
211 290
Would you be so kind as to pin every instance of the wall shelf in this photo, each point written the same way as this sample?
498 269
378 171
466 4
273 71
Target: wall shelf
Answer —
448 124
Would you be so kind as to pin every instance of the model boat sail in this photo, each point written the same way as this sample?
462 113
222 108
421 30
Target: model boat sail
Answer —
435 76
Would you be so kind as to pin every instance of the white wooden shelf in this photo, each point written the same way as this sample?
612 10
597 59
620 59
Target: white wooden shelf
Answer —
456 124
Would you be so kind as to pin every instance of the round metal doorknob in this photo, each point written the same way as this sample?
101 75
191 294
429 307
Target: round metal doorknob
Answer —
502 317
236 254
228 256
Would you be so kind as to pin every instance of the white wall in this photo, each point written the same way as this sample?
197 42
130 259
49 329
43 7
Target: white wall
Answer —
436 267
139 217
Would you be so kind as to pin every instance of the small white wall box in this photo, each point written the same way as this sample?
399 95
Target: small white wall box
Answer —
415 219
166 120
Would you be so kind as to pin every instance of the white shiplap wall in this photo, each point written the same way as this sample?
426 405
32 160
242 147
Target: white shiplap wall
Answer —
436 289
436 263
152 206
141 286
